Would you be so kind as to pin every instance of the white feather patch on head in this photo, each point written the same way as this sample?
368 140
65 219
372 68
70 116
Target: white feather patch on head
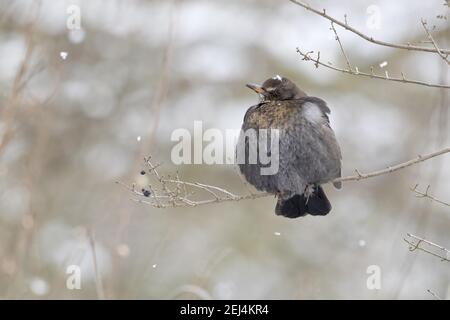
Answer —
277 77
312 112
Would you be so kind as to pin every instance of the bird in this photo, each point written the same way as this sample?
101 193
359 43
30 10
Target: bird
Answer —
308 152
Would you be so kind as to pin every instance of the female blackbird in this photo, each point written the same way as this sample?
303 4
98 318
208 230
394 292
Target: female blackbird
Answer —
308 152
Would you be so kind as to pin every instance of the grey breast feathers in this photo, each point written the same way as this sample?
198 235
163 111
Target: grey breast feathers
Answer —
256 118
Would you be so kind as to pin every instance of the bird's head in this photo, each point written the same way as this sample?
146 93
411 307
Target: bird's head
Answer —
276 89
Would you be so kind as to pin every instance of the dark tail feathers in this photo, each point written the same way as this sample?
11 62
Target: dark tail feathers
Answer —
297 206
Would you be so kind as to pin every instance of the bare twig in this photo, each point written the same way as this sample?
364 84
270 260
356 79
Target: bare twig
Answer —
9 110
418 243
390 169
341 46
162 87
434 294
425 194
346 26
98 278
439 51
307 57
173 192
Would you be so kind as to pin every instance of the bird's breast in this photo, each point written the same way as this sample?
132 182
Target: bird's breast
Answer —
275 115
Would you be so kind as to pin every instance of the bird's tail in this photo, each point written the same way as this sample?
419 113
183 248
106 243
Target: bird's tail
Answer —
317 204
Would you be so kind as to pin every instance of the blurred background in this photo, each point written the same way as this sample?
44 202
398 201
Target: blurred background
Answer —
80 108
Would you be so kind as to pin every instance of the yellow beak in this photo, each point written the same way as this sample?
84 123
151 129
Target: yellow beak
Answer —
255 87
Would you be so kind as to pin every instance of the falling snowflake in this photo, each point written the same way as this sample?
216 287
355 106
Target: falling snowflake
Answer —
362 243
123 250
138 138
383 64
277 233
154 266
39 286
63 55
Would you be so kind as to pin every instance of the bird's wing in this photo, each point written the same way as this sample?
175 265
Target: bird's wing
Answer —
334 152
311 149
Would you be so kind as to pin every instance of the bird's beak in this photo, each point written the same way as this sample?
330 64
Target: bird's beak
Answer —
256 87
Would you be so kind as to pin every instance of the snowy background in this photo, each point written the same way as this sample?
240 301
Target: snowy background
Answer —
71 131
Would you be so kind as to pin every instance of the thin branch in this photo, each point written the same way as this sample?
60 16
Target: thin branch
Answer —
174 192
418 243
98 278
9 110
425 194
307 57
439 51
341 46
180 201
434 294
346 26
391 169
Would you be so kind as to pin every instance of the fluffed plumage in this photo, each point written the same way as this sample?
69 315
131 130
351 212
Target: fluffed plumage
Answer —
309 154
